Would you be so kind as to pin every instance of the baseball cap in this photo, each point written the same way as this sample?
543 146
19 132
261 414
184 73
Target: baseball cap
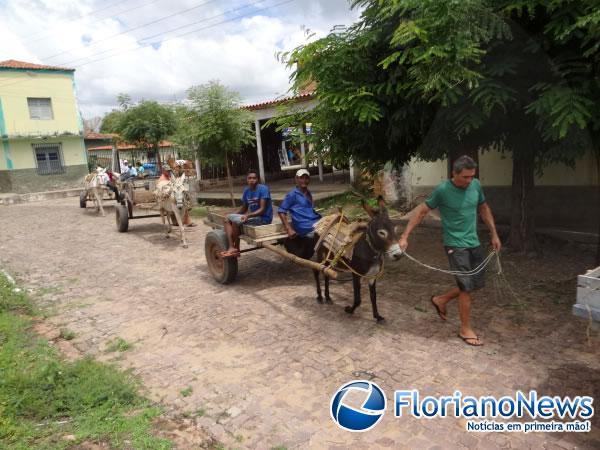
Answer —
302 172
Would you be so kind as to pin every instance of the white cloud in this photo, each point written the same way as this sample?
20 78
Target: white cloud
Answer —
240 53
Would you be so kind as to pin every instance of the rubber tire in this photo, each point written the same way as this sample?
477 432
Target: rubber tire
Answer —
83 200
122 217
223 270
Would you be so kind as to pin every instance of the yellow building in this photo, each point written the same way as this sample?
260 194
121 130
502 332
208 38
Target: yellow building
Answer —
41 129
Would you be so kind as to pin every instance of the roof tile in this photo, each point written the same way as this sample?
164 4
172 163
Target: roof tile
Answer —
14 64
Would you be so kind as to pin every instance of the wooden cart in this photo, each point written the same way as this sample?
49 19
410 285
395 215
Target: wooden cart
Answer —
84 196
135 195
224 270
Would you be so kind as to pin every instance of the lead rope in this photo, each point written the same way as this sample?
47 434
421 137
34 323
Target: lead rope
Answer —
339 253
468 273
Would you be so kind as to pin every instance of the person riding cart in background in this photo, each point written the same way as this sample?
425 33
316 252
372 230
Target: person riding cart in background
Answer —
131 173
166 173
140 170
299 203
112 182
256 209
459 199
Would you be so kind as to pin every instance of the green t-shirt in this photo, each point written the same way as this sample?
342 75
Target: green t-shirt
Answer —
458 208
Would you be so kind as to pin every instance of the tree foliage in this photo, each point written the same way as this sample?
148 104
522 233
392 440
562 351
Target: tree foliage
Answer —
431 78
213 123
110 121
146 124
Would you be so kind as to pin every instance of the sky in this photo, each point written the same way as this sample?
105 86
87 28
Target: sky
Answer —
157 49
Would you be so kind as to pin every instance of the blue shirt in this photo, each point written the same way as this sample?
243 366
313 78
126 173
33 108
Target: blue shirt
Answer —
301 208
132 171
252 198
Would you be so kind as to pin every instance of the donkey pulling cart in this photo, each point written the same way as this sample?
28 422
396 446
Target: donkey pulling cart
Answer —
357 247
224 270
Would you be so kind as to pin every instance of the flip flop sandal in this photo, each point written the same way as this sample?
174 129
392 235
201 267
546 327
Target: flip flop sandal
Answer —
437 308
467 339
192 225
233 254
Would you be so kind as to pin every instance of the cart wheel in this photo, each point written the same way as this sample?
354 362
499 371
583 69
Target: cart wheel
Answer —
83 199
122 216
224 270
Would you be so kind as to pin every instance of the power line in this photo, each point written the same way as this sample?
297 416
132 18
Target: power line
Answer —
160 19
193 31
162 33
178 35
45 33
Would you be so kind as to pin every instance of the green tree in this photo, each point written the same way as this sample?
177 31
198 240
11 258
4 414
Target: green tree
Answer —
432 78
110 121
146 124
214 126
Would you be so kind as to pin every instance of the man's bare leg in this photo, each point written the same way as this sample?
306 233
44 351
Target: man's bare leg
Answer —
187 219
442 300
233 235
464 310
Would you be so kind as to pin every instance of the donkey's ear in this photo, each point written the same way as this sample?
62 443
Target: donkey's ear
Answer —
370 211
382 207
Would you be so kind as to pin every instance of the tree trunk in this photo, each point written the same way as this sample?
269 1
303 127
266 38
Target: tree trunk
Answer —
198 169
158 160
229 179
522 223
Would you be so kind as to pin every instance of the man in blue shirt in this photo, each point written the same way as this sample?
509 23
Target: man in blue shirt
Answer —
256 209
299 203
131 173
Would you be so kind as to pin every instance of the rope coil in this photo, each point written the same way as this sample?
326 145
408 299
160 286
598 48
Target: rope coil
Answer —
467 273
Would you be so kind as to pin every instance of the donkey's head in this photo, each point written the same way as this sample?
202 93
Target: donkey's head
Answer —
381 231
178 189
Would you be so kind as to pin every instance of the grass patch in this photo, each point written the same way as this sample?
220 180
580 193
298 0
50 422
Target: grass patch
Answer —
13 298
43 398
52 290
199 211
186 392
200 412
67 334
118 344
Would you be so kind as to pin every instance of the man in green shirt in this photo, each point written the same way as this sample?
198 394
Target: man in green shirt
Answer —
459 199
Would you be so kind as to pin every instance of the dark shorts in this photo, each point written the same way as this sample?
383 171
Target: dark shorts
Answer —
465 259
252 221
303 247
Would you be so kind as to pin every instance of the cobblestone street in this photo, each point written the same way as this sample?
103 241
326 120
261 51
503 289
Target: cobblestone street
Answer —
261 359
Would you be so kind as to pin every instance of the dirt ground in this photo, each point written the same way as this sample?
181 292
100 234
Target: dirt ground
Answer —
254 364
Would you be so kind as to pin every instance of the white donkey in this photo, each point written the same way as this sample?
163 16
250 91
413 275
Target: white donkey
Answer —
95 185
171 199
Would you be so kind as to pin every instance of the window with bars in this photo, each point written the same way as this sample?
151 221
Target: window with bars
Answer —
48 159
40 108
